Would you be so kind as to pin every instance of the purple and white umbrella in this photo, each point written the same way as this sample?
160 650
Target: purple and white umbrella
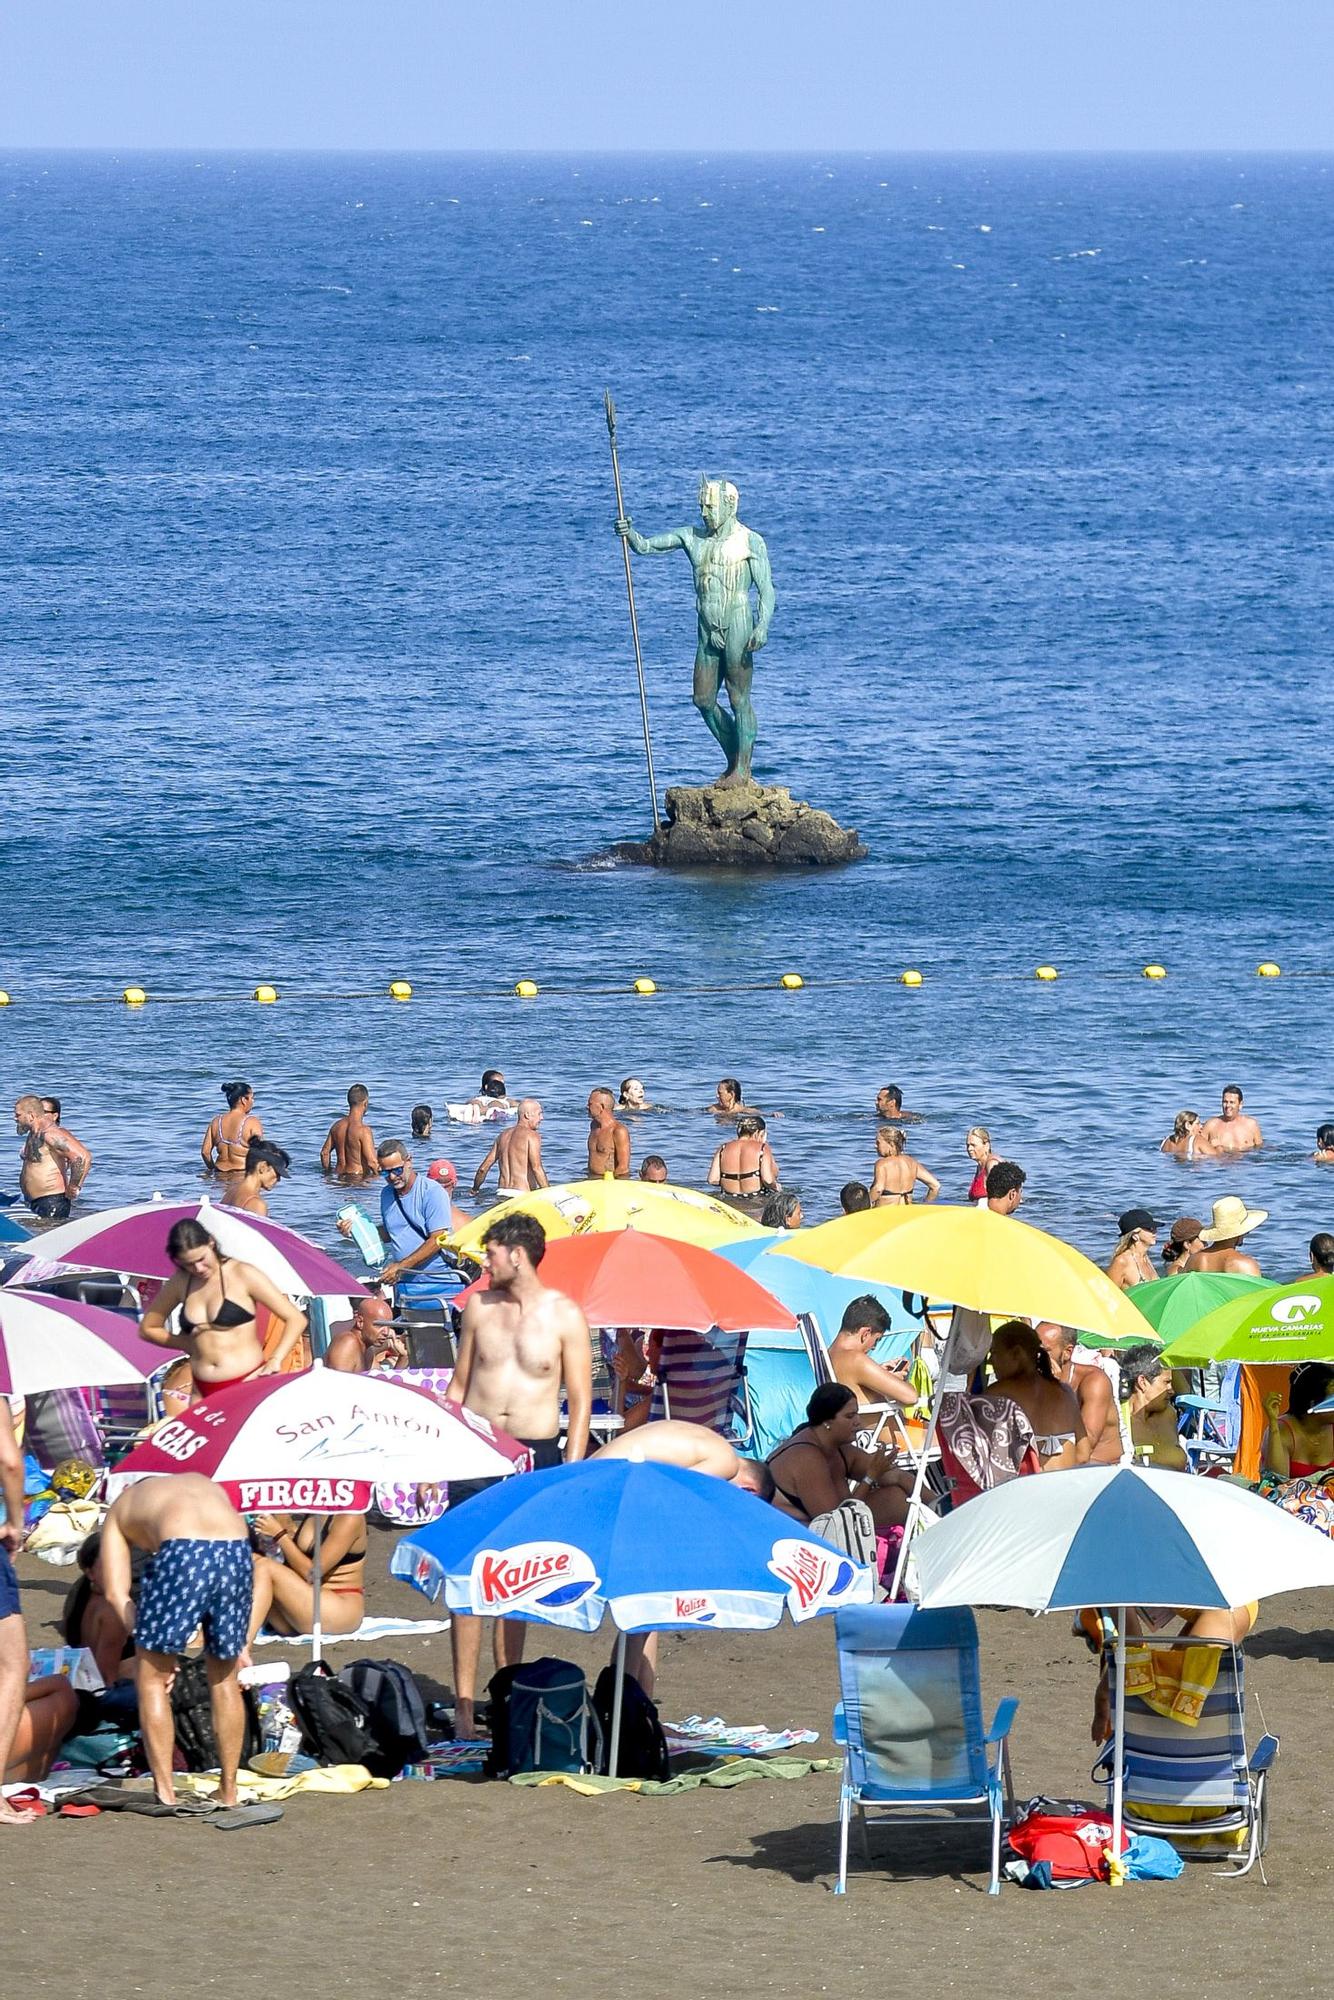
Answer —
49 1343
134 1240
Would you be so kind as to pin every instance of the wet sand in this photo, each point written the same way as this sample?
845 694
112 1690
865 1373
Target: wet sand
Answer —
470 1887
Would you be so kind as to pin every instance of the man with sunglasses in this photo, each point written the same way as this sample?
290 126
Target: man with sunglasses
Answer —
414 1210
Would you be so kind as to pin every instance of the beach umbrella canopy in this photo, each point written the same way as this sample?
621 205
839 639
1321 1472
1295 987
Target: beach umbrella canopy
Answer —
50 1343
1276 1325
629 1277
318 1442
975 1258
657 1547
578 1208
134 1239
1173 1305
819 1295
1116 1536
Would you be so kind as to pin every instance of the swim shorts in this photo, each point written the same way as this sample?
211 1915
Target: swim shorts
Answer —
9 1587
546 1453
50 1207
191 1583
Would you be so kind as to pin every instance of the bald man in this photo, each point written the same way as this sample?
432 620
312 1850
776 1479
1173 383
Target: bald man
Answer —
517 1152
370 1343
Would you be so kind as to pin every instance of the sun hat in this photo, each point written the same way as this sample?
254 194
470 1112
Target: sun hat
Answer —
1137 1218
1232 1218
1185 1229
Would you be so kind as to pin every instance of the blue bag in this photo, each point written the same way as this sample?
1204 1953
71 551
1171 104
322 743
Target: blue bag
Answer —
542 1720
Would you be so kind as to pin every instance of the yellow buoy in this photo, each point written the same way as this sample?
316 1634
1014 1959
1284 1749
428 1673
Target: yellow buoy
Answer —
399 990
4 998
1155 972
1047 972
266 995
134 996
644 986
1268 970
910 978
526 989
793 981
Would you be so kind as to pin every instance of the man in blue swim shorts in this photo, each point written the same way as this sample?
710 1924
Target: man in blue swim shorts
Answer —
199 1578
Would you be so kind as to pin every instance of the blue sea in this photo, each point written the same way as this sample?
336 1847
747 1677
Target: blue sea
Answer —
317 664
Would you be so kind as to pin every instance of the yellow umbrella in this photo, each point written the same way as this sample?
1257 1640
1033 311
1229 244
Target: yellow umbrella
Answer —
975 1258
577 1207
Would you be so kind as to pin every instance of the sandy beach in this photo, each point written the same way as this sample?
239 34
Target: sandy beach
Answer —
467 1886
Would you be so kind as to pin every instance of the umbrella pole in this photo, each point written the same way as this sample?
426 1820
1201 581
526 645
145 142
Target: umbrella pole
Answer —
613 1754
316 1635
1117 1875
915 1503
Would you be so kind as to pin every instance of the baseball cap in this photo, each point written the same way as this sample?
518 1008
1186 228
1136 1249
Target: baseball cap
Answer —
1137 1218
443 1171
1185 1229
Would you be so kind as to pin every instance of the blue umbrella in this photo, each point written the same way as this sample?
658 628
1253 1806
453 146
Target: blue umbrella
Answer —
658 1547
819 1295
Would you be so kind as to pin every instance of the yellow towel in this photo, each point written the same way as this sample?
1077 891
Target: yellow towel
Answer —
1174 1682
345 1778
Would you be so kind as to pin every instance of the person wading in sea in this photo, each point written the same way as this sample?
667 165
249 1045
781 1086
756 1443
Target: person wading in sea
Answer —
517 1152
349 1146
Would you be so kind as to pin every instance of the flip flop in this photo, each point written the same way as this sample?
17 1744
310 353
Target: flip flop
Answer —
231 1819
79 1812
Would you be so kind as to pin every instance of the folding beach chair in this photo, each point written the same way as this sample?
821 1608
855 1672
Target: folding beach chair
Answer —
1208 1797
910 1722
700 1377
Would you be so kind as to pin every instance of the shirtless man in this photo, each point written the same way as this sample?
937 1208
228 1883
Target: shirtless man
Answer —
54 1164
1234 1131
517 1152
745 1165
865 1322
370 1342
200 1572
608 1138
1147 1385
1092 1387
889 1107
1223 1252
519 1344
349 1147
1132 1260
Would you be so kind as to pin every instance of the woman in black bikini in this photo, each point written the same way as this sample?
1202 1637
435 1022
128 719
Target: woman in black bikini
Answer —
819 1466
217 1297
285 1589
223 1146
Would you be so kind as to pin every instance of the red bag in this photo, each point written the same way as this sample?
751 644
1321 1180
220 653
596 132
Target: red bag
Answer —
1071 1837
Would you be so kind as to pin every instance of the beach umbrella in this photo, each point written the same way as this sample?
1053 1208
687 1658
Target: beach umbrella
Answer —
134 1239
1117 1536
1173 1305
1274 1326
974 1258
50 1343
818 1295
655 1546
319 1443
577 1208
630 1277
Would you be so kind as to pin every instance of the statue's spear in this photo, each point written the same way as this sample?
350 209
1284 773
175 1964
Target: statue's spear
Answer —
634 622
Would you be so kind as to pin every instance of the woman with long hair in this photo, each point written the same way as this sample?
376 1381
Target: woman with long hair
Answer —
217 1298
1023 1372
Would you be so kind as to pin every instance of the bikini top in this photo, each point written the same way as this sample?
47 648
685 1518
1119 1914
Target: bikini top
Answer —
1049 1443
220 1139
229 1314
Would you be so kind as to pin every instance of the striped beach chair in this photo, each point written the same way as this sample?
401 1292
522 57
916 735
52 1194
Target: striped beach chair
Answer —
910 1723
1196 1785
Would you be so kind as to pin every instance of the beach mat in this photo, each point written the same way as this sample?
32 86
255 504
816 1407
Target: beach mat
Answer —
723 1775
367 1633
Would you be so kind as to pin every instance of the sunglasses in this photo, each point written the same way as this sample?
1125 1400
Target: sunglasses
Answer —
392 1173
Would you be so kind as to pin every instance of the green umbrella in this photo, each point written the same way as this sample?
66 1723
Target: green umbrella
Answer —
1173 1305
1276 1325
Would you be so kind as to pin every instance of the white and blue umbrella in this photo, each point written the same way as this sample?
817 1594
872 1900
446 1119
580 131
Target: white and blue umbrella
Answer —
1118 1535
657 1547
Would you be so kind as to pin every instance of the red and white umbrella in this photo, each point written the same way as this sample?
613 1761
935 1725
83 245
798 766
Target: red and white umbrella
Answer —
50 1343
134 1240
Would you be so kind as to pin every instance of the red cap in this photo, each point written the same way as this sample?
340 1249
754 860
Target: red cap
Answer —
443 1171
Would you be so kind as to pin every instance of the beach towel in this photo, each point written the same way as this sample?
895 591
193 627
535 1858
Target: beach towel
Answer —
1174 1681
369 1630
695 1735
339 1779
984 1442
722 1776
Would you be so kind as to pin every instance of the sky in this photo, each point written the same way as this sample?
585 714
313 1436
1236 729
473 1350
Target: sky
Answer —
737 75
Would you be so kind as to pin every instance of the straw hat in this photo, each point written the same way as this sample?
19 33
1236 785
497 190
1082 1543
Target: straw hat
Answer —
1232 1218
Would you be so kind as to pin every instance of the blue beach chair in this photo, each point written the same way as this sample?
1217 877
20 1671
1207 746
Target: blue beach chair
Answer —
910 1723
1212 1795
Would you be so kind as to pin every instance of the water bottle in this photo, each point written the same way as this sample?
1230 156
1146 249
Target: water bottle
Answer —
364 1234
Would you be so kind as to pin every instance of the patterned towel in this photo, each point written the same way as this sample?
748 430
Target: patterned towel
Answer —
1174 1681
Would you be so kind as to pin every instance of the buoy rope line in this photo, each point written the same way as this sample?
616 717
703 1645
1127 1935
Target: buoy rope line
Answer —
401 991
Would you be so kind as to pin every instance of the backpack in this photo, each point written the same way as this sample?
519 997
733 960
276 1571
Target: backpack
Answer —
335 1728
395 1713
192 1718
642 1750
541 1719
1070 1837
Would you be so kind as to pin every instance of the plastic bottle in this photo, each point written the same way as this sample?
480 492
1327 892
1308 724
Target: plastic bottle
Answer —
364 1234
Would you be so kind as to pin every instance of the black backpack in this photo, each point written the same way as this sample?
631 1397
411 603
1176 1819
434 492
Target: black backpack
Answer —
642 1752
395 1713
541 1719
192 1718
335 1728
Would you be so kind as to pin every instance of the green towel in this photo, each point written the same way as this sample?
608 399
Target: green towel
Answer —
723 1774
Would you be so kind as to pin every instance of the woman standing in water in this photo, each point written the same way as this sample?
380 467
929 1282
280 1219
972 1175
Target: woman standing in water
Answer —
223 1147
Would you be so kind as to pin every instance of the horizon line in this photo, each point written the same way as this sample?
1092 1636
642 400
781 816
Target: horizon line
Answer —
840 151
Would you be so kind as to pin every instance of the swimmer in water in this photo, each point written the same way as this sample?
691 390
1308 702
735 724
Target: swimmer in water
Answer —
897 1173
223 1146
265 1165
